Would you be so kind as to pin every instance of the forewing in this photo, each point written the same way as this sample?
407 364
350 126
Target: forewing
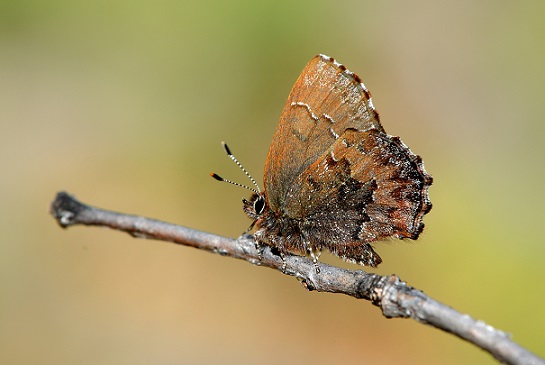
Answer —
326 100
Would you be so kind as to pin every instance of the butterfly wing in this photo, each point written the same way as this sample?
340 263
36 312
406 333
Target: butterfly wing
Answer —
366 187
325 101
334 179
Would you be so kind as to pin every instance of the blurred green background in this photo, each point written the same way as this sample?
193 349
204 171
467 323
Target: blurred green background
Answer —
124 104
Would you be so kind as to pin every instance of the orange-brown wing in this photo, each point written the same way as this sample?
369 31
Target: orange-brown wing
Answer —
326 100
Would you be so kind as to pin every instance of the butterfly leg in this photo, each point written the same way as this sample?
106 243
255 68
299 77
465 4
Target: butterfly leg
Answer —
283 257
258 246
259 249
313 251
250 227
314 255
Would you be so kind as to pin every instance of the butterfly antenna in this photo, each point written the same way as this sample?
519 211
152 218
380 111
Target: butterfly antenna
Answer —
219 178
228 151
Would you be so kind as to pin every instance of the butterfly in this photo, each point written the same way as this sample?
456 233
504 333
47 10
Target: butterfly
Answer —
334 179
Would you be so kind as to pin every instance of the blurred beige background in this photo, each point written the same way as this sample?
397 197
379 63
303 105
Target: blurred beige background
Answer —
124 104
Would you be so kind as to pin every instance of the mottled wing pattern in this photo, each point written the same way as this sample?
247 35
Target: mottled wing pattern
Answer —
366 187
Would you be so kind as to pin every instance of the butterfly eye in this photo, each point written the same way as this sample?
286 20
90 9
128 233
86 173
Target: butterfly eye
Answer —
259 205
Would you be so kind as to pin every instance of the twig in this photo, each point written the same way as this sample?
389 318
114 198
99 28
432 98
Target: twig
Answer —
395 298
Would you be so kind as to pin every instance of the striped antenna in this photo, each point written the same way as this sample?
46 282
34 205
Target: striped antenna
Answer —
219 178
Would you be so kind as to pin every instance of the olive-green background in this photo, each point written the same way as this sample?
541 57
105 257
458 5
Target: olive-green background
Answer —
124 104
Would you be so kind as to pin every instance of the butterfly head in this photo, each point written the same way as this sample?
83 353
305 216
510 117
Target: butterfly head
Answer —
254 207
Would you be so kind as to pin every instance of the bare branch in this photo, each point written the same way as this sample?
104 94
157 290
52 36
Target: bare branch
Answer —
395 298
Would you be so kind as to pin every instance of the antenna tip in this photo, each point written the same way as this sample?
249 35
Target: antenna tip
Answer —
216 176
226 148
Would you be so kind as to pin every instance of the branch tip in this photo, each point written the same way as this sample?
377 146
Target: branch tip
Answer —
65 209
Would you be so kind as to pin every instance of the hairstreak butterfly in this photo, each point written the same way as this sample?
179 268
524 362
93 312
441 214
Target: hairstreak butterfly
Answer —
333 178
